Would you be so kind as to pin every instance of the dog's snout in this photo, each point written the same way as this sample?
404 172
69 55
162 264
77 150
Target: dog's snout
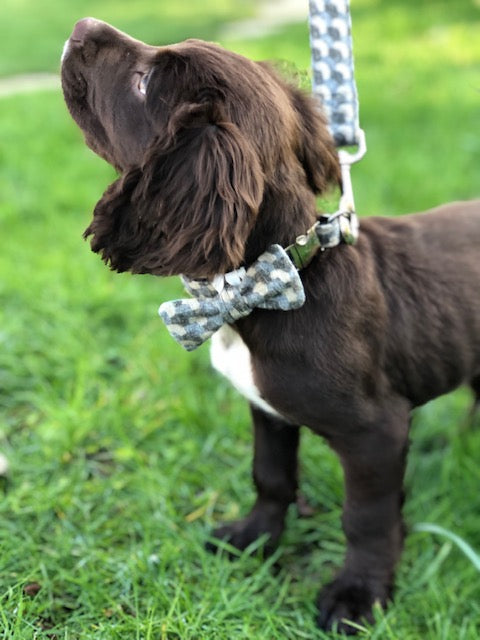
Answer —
82 28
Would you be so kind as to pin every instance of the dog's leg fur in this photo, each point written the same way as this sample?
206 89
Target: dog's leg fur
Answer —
374 464
275 477
473 415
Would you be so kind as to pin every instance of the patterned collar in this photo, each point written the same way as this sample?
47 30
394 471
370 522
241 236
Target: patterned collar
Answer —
270 282
329 231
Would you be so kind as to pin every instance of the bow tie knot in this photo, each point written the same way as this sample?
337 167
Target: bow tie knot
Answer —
271 282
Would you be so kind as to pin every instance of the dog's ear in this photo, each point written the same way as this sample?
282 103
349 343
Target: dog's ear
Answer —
190 207
316 151
116 228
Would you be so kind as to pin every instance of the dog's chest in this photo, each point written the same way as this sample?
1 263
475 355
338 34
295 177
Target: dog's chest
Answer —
231 357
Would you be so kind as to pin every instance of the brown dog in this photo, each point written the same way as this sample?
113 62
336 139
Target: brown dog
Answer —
219 159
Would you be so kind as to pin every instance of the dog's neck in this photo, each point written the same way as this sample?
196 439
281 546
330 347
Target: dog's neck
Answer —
280 223
302 233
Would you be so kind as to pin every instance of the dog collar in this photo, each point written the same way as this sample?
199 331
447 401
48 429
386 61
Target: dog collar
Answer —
329 231
270 282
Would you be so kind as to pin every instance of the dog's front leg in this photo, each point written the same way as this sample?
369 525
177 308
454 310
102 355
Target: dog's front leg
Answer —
374 462
275 478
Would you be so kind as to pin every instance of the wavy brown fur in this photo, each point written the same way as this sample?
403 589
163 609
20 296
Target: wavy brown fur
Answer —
218 161
202 163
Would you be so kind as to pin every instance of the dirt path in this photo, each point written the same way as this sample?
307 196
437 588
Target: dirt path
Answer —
271 15
28 82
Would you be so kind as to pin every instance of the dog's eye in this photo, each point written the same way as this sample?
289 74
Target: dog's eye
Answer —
143 83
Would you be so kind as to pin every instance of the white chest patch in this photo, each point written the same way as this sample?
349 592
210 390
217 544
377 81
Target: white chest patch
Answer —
231 357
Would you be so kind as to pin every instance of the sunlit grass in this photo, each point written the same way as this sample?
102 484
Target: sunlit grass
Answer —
32 39
125 451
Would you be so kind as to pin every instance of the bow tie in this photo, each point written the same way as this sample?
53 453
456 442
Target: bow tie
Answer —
271 282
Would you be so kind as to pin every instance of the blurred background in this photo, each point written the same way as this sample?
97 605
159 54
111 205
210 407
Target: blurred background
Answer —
123 450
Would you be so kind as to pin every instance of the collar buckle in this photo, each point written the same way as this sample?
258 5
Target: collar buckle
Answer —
328 232
332 229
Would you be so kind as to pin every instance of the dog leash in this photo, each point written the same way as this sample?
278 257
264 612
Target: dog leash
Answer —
333 83
333 80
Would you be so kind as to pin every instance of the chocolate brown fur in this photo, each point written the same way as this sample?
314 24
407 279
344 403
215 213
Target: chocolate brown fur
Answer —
222 159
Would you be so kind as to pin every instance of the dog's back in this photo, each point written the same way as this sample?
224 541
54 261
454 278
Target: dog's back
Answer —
429 268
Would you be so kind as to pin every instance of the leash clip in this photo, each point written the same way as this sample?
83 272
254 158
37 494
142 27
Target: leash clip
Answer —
346 208
331 229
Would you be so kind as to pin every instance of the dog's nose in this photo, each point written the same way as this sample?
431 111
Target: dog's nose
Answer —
81 28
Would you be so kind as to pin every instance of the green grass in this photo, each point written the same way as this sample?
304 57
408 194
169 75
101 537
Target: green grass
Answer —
32 39
124 450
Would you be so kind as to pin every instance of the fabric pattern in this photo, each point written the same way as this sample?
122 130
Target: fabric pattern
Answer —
332 67
271 282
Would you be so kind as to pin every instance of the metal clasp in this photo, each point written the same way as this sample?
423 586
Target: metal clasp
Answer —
331 229
346 206
346 159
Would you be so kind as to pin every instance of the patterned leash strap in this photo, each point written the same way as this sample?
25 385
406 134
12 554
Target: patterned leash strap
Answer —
334 86
333 69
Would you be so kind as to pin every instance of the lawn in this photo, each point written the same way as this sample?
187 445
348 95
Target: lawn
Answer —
125 451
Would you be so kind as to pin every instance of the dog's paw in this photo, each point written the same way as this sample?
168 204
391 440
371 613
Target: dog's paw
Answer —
349 600
242 533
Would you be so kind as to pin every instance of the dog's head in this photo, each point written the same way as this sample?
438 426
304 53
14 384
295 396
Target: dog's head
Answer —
218 156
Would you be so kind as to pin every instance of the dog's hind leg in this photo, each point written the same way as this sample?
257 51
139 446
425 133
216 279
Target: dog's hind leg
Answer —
373 456
473 417
475 384
275 477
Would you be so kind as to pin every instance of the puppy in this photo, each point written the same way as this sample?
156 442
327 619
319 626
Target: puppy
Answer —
219 159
